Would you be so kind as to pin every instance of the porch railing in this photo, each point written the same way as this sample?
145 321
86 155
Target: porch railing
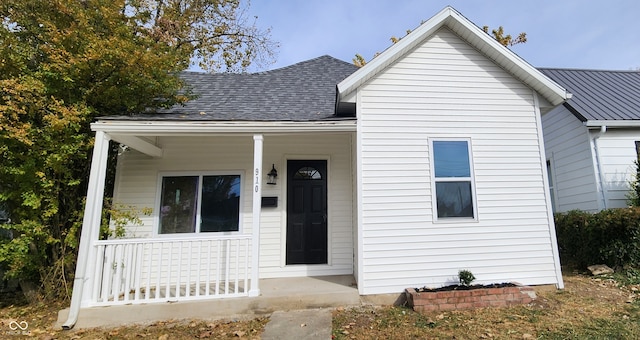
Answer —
134 271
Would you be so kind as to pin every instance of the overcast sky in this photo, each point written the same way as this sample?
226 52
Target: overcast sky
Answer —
583 34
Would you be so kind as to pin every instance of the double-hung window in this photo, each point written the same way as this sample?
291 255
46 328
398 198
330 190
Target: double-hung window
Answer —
199 203
452 178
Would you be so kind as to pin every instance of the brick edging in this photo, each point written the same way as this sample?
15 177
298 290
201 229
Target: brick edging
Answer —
469 299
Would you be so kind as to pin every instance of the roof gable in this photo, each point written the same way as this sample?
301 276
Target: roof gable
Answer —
600 95
474 36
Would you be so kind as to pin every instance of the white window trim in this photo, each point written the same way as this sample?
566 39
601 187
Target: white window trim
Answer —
197 233
434 198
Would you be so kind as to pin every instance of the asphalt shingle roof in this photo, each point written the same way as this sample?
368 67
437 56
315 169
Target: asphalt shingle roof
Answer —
600 95
304 91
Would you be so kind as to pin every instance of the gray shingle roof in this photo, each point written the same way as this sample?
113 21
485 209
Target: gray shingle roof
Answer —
598 94
305 91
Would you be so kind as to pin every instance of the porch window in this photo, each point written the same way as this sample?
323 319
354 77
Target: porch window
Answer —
199 203
453 179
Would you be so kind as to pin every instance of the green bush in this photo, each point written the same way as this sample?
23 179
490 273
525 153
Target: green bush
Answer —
610 237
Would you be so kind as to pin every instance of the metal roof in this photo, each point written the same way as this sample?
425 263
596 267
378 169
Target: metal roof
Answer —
600 94
305 91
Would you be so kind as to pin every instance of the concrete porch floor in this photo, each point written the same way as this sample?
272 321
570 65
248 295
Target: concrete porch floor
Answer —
279 294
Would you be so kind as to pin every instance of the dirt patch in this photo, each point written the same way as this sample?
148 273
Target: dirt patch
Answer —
463 287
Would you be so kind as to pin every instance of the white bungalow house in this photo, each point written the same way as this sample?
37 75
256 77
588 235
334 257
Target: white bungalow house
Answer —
593 139
426 161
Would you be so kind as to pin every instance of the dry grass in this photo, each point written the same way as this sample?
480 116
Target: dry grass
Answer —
587 309
41 317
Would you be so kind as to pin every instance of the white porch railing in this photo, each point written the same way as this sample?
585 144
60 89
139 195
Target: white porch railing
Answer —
134 271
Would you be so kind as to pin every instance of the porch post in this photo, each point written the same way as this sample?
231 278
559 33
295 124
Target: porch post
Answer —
257 209
90 227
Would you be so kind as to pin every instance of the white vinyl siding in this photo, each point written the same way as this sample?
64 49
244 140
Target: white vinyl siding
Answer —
617 152
567 145
137 183
447 89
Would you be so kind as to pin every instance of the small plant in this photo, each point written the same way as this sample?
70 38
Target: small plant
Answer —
465 277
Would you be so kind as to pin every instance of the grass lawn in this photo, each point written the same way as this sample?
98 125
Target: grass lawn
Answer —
588 308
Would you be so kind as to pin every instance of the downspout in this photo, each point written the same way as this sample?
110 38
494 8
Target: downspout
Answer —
90 224
596 151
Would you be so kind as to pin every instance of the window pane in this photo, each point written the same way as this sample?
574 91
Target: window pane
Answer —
178 204
454 199
451 159
220 203
307 173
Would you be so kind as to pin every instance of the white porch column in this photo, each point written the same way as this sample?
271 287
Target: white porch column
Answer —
257 209
90 227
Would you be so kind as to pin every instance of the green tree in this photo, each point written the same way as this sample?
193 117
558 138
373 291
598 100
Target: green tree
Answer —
498 34
65 62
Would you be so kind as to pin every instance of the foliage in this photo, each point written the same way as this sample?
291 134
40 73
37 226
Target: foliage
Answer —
62 64
610 236
117 216
465 277
498 34
506 40
633 196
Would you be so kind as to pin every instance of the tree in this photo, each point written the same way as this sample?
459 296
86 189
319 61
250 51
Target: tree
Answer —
633 195
506 40
498 34
65 62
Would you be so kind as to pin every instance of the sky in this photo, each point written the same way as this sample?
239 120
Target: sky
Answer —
582 34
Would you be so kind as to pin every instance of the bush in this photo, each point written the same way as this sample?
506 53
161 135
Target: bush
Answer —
611 237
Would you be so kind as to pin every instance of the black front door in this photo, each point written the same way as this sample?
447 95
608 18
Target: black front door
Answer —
306 212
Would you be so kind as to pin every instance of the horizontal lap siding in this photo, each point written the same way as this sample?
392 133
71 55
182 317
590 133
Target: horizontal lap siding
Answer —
137 185
617 154
137 177
447 89
567 144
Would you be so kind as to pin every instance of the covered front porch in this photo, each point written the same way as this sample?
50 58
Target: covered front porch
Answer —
152 265
275 294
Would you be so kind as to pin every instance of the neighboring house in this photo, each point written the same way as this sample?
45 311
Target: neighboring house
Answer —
593 139
426 161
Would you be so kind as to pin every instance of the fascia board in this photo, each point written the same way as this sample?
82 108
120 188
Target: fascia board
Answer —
156 128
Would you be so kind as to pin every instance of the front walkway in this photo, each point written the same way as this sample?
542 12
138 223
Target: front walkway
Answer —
276 295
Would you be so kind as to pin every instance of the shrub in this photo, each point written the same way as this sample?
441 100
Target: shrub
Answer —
465 277
611 237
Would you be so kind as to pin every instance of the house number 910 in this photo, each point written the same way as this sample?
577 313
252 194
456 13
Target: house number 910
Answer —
257 187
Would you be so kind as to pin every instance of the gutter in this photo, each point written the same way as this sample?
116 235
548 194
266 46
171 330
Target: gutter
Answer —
596 150
206 128
612 123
